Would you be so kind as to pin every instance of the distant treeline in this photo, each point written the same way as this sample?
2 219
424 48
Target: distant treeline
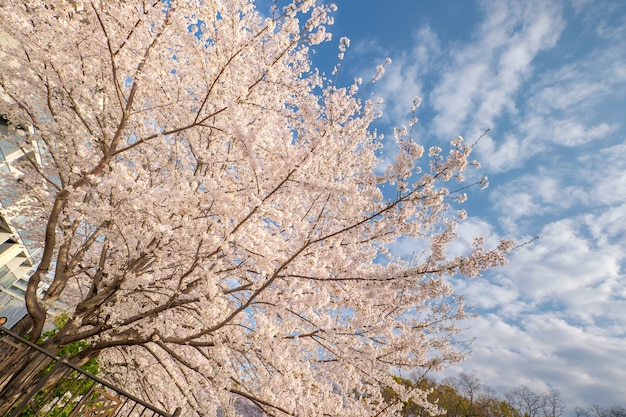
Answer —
466 396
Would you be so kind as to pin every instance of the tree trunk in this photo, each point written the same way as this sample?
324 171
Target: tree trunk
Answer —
23 369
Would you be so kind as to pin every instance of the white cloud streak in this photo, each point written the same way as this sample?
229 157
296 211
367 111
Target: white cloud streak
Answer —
482 77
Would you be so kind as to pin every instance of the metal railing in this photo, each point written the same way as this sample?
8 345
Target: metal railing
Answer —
53 387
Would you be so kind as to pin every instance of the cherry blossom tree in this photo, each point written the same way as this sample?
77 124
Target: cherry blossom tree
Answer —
210 208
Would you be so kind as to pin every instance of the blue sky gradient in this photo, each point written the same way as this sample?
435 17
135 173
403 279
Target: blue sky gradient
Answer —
548 78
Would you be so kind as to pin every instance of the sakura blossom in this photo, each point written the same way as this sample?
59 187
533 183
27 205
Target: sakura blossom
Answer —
212 211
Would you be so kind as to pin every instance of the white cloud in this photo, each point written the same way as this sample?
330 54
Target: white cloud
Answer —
609 225
567 107
484 75
550 82
542 351
404 76
606 172
556 316
563 260
409 248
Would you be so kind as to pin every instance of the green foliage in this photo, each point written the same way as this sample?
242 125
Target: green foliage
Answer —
452 397
69 351
60 399
59 322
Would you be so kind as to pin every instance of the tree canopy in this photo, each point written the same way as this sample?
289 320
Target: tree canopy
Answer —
210 207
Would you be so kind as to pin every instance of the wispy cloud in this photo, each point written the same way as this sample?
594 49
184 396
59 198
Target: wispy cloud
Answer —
483 75
549 79
556 316
550 352
404 77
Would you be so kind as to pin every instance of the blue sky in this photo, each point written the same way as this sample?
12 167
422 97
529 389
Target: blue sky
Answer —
548 78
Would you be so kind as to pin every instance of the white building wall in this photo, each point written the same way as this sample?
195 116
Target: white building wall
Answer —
16 256
16 264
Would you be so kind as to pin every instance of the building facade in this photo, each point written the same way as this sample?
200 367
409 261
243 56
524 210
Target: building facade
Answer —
16 258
